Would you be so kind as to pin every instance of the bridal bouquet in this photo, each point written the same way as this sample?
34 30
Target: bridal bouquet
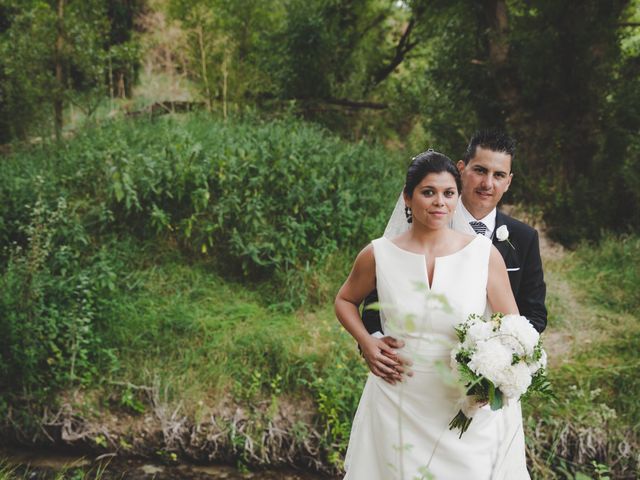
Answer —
497 359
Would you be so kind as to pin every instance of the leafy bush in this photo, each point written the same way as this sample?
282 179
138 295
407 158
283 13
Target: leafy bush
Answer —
336 391
268 201
51 296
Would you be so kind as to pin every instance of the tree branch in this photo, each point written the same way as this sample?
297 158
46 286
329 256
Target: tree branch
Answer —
376 21
344 102
405 45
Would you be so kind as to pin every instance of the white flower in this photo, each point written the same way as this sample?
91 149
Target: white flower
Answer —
477 332
518 327
514 380
502 233
511 342
490 359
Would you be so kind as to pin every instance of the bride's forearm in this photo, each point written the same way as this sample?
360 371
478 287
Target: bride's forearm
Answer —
349 317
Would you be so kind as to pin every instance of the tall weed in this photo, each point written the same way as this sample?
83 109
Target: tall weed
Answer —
50 300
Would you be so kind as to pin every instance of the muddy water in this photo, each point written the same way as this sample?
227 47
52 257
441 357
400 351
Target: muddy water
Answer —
45 465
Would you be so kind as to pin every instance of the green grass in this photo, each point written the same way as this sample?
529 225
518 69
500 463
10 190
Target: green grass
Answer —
20 472
201 341
594 424
609 273
210 335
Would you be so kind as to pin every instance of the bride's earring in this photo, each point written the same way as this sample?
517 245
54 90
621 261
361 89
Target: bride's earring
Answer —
407 212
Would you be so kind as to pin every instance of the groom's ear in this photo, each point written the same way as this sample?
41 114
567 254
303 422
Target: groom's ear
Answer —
460 166
510 177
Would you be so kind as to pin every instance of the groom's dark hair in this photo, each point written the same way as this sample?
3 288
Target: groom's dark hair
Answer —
494 140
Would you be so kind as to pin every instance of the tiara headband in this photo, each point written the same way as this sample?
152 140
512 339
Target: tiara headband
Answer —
429 150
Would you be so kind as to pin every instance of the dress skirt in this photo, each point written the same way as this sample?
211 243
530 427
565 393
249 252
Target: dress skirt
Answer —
402 432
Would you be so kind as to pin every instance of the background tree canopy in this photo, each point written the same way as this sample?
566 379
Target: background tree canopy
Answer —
563 77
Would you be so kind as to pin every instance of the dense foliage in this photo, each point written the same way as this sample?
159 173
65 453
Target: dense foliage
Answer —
267 202
562 76
58 53
53 308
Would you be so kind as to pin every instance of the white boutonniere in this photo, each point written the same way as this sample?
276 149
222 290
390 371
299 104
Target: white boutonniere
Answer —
502 234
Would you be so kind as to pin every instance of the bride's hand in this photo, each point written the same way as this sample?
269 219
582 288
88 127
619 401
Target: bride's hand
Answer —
383 360
471 404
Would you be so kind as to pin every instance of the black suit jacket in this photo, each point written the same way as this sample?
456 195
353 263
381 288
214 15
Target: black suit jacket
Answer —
524 266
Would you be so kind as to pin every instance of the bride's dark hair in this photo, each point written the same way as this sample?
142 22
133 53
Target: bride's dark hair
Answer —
425 163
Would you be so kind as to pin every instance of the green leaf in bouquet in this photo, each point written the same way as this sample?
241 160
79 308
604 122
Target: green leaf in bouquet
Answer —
467 376
539 386
495 397
461 333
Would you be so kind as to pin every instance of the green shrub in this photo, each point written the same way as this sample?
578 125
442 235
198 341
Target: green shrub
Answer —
51 296
269 201
336 391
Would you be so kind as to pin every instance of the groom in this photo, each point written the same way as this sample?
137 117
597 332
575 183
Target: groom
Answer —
486 176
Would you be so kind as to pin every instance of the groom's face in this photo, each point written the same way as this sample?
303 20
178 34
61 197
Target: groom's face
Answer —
484 180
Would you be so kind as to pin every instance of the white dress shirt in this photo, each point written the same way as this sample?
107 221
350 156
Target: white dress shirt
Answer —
489 220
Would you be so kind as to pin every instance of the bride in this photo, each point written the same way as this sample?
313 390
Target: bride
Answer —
428 279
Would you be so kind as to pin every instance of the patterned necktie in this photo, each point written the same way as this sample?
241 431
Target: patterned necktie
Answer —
479 227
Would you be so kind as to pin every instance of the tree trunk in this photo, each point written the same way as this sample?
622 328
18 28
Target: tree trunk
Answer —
203 66
58 104
110 84
122 93
225 76
497 19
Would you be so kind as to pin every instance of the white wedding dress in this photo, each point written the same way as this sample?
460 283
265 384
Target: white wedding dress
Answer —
401 431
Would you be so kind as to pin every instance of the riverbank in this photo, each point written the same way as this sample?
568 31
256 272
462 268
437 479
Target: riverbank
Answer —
58 465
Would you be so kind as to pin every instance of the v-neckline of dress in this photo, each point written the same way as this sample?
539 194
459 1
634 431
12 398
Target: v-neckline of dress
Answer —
435 260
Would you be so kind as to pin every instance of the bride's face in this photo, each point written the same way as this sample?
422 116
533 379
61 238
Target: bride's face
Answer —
434 200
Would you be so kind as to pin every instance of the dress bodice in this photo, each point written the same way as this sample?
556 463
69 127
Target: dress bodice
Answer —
409 308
